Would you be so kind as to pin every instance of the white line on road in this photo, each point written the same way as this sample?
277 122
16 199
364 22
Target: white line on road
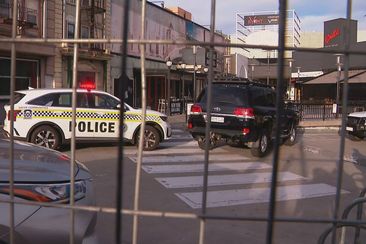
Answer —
172 143
174 150
190 158
222 180
185 168
257 195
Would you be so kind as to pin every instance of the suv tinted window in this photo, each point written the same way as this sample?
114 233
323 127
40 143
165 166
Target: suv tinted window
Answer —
261 96
226 95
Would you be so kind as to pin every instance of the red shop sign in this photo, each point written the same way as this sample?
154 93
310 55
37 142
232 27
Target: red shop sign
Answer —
329 37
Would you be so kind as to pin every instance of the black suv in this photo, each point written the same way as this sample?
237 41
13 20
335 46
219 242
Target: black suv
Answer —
242 113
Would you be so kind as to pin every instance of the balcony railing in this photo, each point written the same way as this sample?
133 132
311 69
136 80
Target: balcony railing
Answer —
26 16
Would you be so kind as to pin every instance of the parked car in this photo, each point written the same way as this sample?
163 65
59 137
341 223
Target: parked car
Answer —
43 117
43 175
356 125
242 113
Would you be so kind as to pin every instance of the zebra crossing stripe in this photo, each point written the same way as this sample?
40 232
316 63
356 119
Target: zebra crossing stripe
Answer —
172 143
174 150
257 195
223 180
178 131
190 158
189 168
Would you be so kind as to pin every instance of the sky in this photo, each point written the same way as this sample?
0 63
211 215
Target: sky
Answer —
312 13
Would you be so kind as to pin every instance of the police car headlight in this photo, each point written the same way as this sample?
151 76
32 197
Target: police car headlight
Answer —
164 118
58 193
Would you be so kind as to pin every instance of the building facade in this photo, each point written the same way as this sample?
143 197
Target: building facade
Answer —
35 63
50 65
161 24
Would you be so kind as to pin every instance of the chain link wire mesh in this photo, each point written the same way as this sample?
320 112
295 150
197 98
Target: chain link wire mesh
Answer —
203 216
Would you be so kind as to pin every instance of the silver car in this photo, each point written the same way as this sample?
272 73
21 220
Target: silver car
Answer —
43 175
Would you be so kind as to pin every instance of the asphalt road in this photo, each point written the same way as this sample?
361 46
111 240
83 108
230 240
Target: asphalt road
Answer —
238 186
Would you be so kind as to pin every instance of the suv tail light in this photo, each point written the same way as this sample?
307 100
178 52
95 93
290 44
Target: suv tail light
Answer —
247 113
14 114
196 109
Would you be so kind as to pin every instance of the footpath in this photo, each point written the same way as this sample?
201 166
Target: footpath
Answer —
179 121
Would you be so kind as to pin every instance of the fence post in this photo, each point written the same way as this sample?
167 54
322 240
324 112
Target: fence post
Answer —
323 111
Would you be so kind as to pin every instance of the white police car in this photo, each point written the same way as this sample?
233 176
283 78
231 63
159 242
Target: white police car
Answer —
43 117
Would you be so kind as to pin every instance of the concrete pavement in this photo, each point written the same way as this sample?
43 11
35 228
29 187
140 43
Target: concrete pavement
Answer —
179 121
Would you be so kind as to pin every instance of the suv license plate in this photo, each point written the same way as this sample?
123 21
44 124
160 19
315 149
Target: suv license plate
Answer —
349 128
217 119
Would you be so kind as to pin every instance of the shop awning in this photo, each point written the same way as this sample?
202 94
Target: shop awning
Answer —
354 76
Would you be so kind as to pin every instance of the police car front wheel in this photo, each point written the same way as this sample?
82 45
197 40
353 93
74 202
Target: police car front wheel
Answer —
151 138
46 136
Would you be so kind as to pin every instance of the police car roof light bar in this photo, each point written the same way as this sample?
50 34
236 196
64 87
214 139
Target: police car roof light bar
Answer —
88 85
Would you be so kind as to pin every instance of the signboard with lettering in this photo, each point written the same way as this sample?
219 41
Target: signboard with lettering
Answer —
335 32
267 19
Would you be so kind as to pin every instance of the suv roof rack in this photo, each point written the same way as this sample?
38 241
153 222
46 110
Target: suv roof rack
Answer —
239 81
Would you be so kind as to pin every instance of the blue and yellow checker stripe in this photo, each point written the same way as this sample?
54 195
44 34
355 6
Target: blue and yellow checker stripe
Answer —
86 115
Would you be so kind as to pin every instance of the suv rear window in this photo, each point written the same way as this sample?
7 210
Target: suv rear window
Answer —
17 97
226 95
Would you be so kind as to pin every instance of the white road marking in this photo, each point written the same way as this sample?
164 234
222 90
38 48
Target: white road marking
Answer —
185 168
311 149
222 180
178 131
172 143
190 158
186 151
257 195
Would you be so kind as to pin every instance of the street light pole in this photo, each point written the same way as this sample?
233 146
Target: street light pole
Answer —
339 69
298 80
268 68
169 65
194 71
183 66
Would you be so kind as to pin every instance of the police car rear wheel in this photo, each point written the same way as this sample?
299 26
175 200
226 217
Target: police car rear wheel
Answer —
151 138
46 136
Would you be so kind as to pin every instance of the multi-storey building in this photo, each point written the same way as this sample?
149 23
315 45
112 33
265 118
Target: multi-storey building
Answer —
186 75
50 65
35 63
93 63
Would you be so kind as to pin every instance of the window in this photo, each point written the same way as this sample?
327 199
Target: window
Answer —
5 9
102 101
70 30
85 34
31 18
53 100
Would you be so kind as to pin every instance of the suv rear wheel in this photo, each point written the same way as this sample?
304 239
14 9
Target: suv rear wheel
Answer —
291 140
212 144
261 146
46 136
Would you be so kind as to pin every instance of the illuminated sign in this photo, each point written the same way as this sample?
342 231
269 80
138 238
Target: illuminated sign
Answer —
268 19
329 37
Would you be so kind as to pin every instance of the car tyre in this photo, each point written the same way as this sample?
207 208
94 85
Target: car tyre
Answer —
261 146
291 140
202 142
151 138
46 136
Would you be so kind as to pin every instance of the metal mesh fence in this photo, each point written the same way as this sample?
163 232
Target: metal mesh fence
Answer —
202 217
